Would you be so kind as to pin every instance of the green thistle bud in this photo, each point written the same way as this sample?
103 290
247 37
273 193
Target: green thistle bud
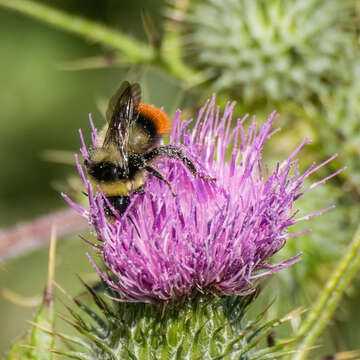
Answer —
37 343
271 49
203 327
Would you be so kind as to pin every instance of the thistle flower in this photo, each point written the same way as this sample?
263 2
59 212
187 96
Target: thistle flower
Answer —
213 237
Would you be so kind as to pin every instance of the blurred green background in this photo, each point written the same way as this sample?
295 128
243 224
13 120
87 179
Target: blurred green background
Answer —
42 106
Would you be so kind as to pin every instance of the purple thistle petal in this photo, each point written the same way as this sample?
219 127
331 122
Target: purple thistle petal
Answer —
214 237
83 149
94 135
79 209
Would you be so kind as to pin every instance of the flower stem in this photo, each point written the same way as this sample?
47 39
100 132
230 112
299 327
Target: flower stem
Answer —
171 43
25 237
325 306
135 50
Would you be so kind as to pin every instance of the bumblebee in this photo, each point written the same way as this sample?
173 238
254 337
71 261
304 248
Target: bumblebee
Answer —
127 146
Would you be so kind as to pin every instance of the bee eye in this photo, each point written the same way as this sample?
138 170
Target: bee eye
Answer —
103 171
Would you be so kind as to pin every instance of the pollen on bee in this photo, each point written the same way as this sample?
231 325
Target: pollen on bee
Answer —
119 188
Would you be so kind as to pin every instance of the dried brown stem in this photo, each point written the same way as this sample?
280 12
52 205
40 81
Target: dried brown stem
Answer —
25 237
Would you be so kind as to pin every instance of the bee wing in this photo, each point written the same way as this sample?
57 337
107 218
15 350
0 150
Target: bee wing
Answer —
120 113
136 93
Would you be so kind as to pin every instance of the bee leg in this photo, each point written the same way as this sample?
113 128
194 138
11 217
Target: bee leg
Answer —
132 221
119 203
175 153
140 190
160 176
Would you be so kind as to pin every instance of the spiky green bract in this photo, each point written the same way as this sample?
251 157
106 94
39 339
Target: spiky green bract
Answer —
203 327
273 49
